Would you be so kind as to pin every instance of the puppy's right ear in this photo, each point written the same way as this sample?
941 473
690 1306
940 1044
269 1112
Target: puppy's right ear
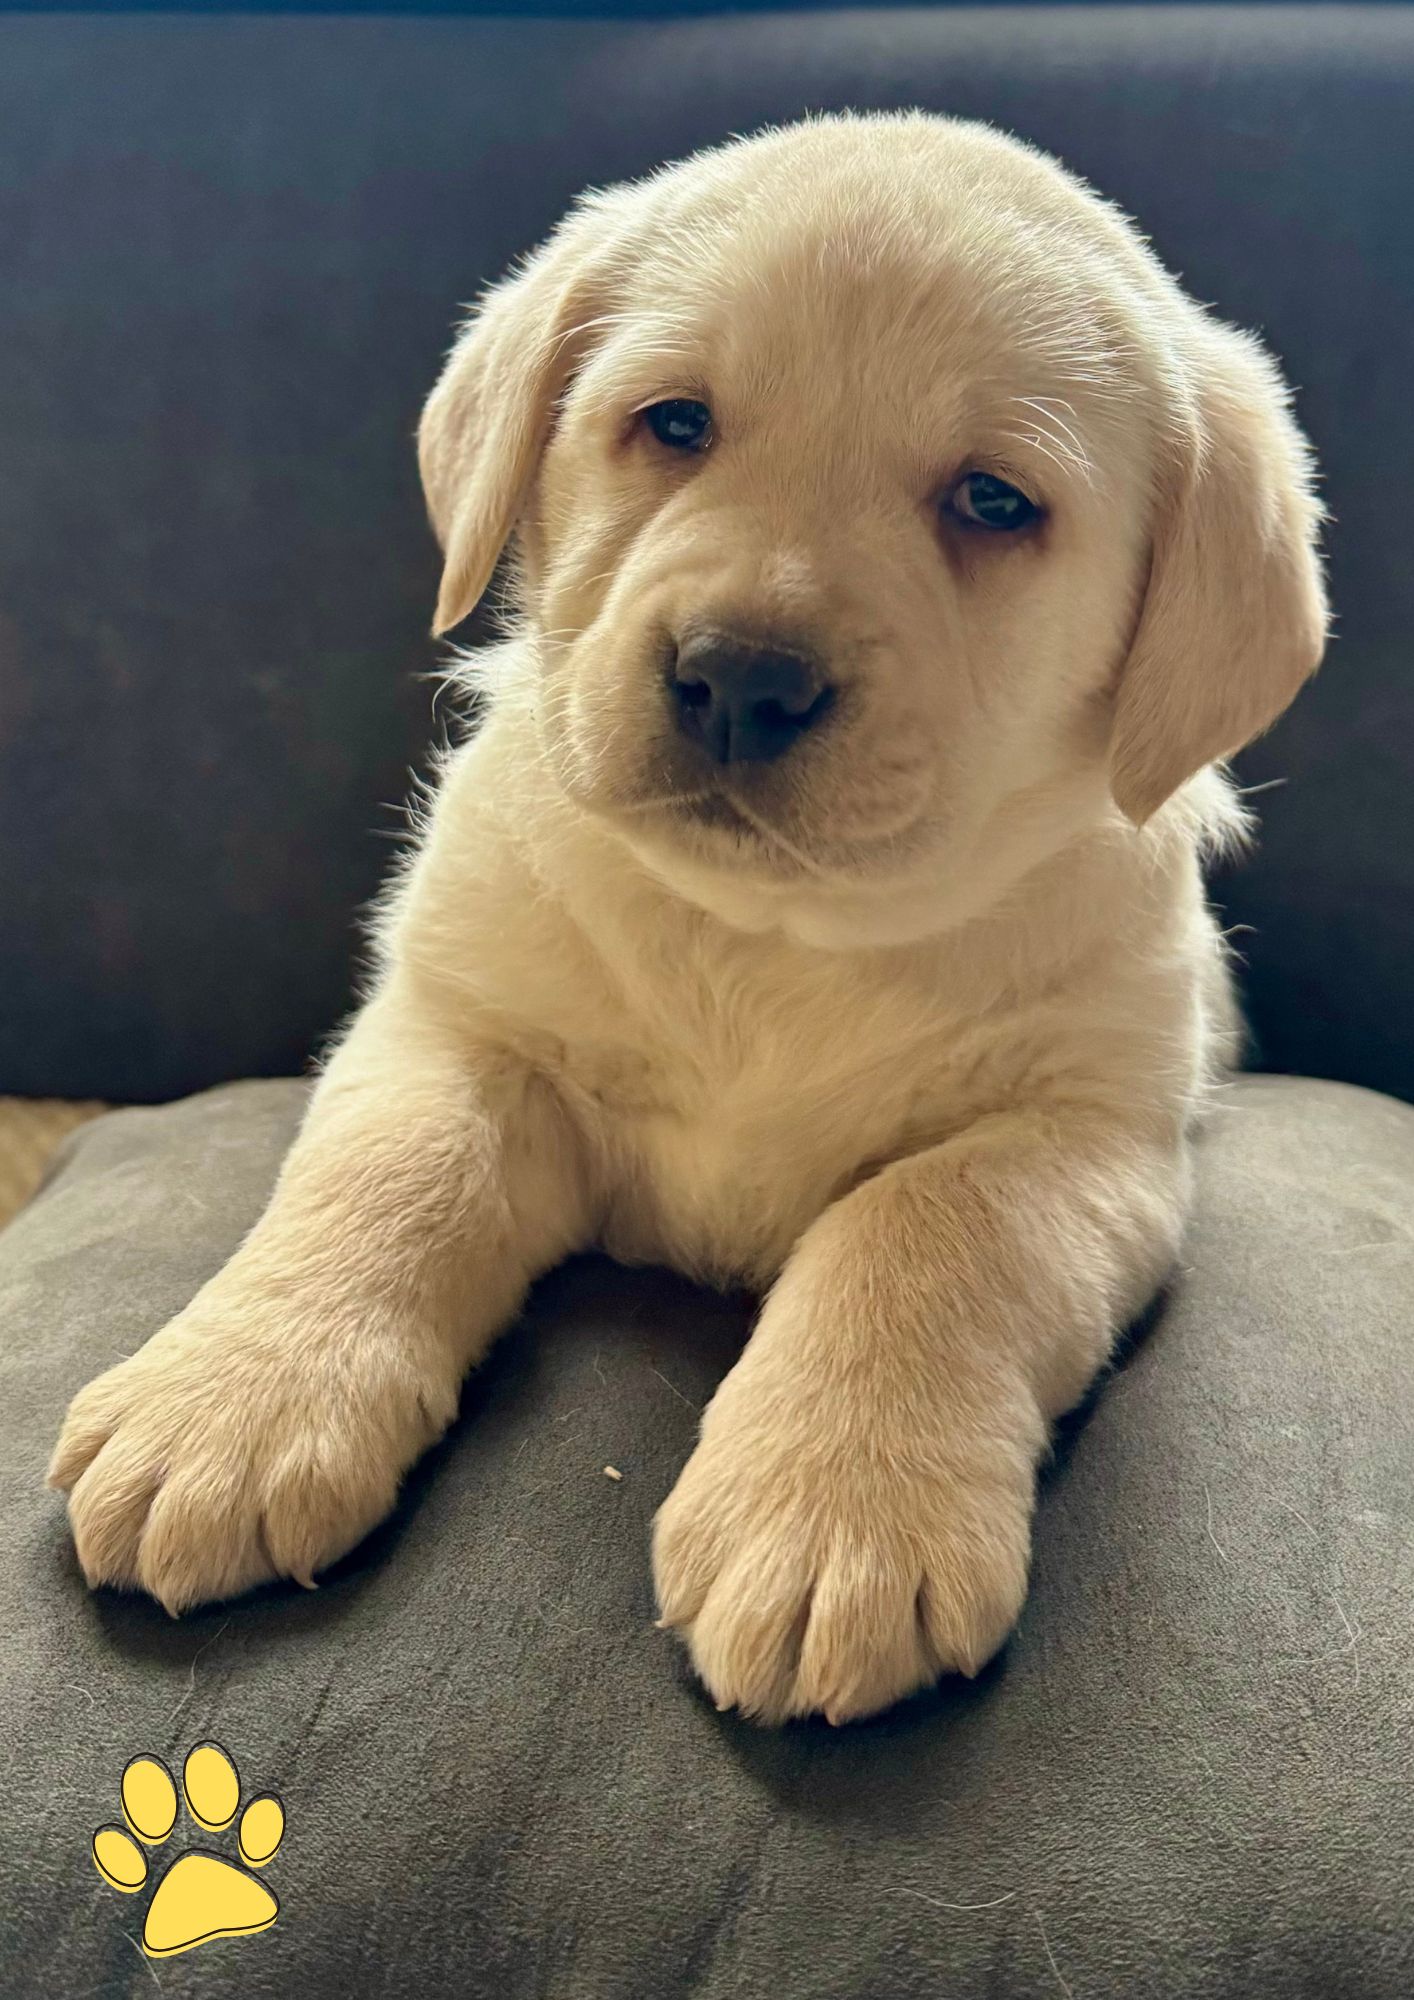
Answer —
487 421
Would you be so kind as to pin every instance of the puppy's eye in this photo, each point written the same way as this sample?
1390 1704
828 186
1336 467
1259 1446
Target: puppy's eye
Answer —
680 424
984 501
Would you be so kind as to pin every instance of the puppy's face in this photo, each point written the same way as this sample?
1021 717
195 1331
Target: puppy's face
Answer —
850 467
833 553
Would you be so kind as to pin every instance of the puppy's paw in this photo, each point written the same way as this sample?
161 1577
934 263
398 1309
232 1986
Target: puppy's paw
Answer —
246 1441
809 1571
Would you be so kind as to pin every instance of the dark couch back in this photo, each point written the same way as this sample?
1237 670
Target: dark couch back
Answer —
232 249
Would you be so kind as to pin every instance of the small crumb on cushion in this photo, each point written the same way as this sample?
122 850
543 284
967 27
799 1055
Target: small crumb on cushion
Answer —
612 1472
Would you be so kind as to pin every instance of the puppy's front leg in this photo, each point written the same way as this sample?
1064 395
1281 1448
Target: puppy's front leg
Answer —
265 1430
856 1516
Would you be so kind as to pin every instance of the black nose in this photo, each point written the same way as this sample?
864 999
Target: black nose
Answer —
745 701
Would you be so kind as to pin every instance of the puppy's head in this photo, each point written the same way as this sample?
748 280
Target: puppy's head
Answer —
881 508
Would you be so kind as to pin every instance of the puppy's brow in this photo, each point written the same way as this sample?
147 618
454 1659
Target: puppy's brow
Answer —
1052 437
648 360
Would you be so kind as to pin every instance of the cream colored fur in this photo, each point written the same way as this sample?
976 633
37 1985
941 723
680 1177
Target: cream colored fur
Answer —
906 1029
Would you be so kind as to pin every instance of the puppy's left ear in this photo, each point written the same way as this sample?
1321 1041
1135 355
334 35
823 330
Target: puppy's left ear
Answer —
487 421
1234 616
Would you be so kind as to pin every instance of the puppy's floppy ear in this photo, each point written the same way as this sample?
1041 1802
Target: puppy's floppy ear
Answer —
1234 615
487 421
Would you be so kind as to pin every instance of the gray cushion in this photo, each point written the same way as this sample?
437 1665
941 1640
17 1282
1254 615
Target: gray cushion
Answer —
1189 1775
232 253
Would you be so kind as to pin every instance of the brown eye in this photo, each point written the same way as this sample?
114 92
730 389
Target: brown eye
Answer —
984 501
680 424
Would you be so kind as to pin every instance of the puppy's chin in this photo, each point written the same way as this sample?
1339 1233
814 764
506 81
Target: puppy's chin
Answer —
772 861
925 878
711 857
709 852
751 883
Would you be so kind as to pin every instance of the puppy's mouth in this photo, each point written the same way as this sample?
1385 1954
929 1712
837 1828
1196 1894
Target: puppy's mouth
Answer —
718 828
714 810
761 822
780 837
725 830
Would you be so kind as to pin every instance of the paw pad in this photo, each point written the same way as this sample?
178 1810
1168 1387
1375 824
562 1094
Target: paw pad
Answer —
201 1896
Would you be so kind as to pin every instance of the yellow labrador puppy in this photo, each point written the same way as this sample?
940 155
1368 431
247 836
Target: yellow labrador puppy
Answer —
819 905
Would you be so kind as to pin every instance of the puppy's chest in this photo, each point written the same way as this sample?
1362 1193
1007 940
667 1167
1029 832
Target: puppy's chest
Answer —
730 1126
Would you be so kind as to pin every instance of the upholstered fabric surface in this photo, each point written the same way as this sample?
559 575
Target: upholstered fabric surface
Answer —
1188 1776
233 251
30 1130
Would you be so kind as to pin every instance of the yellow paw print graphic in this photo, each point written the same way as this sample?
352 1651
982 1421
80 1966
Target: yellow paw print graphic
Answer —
201 1896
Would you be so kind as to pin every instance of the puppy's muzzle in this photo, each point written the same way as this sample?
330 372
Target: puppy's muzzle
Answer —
745 701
